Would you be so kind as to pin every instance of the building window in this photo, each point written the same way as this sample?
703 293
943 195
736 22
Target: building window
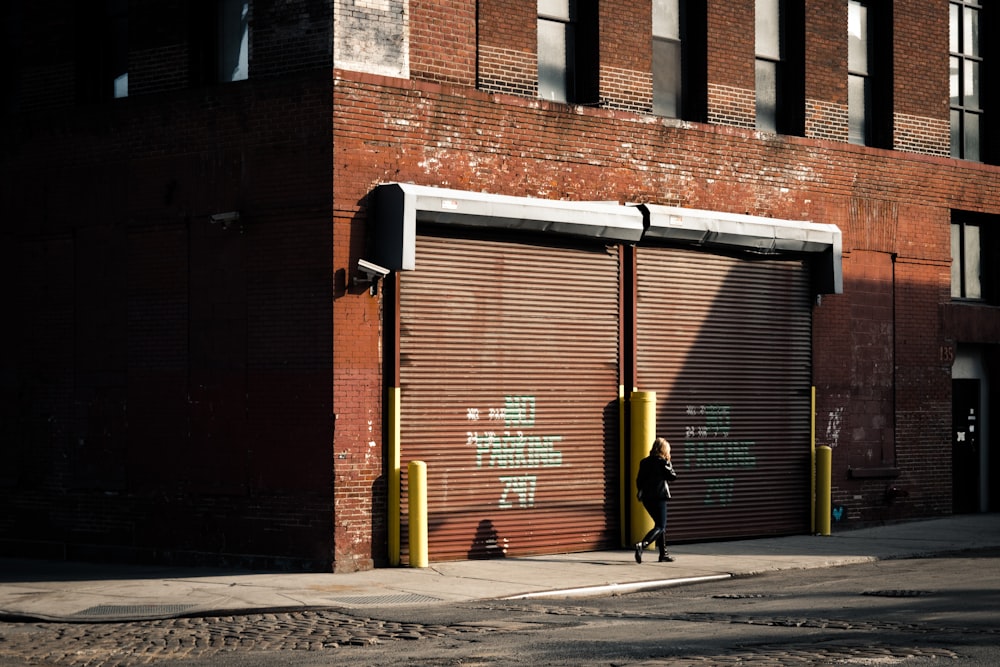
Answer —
966 255
975 243
679 61
780 50
966 65
118 25
10 47
102 51
567 49
859 90
869 65
767 18
234 40
220 41
668 58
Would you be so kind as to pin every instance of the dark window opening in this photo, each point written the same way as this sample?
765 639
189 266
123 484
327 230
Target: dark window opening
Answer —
10 57
780 52
102 51
679 59
975 241
220 41
965 72
568 51
869 64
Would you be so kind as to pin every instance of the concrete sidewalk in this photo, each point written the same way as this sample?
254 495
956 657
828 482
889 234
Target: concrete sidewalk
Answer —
80 592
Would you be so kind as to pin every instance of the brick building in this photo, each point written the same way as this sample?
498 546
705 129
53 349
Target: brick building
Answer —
260 255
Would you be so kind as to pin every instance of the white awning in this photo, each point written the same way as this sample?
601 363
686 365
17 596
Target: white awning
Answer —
753 235
399 206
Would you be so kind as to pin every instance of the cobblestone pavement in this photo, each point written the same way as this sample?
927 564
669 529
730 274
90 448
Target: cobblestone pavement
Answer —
141 643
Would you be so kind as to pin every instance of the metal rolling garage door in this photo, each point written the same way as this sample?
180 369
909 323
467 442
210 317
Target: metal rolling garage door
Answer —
726 344
509 385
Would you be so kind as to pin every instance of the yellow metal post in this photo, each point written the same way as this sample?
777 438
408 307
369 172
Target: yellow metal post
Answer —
417 494
393 474
812 459
623 485
824 468
643 422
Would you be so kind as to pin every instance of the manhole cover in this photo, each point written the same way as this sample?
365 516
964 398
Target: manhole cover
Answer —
116 610
394 598
896 593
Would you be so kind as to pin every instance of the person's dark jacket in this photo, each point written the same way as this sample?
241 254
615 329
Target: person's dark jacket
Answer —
654 477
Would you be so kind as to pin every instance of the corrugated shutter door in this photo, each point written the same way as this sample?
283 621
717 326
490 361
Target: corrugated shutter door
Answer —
509 386
726 344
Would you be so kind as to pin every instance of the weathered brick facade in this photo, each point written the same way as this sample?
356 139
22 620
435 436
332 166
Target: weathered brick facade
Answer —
180 390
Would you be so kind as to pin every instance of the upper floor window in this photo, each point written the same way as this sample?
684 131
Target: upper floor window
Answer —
234 40
567 51
118 25
220 40
975 241
102 51
667 58
10 46
679 60
966 261
768 41
859 89
965 69
779 55
869 78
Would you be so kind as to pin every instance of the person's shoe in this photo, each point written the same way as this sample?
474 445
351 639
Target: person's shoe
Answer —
666 558
638 552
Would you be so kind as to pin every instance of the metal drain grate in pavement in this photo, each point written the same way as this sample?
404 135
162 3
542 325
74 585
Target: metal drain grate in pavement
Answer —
896 593
117 610
394 598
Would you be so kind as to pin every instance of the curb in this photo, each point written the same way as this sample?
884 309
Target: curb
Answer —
619 588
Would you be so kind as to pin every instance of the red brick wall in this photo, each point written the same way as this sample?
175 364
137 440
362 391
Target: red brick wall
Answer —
731 81
920 60
731 51
252 377
920 77
443 41
826 76
826 51
508 36
626 47
883 392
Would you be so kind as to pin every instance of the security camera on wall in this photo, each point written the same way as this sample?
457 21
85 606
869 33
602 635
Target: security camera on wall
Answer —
372 270
228 217
372 273
226 220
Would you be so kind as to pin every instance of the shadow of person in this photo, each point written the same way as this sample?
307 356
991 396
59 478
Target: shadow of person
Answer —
487 543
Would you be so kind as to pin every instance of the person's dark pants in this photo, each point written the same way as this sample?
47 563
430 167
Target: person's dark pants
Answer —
657 510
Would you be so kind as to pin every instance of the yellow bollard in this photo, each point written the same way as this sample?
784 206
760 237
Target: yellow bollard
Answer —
812 460
623 484
643 422
824 473
418 513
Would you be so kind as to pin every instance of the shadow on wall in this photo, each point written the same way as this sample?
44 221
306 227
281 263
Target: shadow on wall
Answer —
487 544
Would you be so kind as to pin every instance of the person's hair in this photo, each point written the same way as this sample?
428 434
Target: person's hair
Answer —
660 448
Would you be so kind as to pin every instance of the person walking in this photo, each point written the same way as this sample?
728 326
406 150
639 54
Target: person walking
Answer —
653 490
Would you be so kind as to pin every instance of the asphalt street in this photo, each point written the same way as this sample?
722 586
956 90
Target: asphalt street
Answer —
908 594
